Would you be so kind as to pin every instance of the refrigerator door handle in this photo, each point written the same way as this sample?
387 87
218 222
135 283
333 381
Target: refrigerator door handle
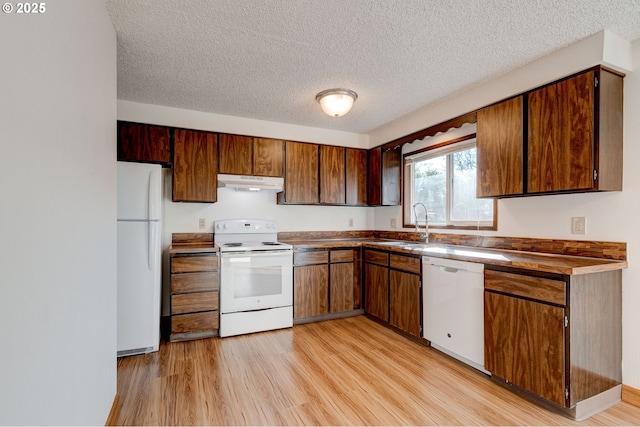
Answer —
155 193
151 256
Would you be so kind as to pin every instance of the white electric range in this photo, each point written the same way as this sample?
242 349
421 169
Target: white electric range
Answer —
256 277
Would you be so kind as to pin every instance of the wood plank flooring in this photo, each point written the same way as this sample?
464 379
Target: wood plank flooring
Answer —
349 371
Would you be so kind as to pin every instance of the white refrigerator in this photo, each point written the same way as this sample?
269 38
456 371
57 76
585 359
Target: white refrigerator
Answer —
139 256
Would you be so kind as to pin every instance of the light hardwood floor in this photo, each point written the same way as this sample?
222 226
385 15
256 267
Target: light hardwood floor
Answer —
340 372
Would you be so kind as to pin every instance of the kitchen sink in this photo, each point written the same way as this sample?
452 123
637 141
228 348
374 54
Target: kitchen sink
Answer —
409 245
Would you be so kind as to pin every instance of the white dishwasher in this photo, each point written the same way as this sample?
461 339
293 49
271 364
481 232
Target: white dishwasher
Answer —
453 308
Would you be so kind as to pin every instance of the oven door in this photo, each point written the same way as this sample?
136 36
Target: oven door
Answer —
256 280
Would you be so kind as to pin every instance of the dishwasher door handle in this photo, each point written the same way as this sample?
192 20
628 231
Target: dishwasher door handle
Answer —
448 269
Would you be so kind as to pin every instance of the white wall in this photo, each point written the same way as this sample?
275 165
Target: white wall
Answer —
57 215
610 216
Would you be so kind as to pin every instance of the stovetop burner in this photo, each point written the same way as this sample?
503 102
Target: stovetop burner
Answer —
247 236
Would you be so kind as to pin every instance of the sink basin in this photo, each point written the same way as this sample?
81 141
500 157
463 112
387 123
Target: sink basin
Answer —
409 245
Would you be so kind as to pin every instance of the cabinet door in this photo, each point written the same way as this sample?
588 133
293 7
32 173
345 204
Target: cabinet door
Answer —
236 154
404 301
356 177
499 142
310 290
374 177
376 293
301 173
342 287
525 344
332 175
561 136
143 143
268 157
391 176
195 166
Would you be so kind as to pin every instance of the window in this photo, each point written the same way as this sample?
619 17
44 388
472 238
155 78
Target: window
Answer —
443 178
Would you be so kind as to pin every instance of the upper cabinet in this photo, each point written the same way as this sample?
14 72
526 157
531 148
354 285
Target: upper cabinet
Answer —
356 177
561 138
575 134
301 174
332 175
324 174
500 145
195 166
246 155
236 154
384 176
143 143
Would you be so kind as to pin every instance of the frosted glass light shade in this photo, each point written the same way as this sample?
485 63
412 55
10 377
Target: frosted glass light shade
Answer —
336 102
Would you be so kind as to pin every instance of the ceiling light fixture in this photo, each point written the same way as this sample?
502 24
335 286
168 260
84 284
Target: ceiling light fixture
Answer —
336 102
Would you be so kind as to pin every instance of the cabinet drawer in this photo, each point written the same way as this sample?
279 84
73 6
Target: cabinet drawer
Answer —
194 282
194 322
309 258
185 264
538 288
405 263
342 256
196 301
376 257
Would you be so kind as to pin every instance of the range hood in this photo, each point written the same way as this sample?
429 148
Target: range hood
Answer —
250 183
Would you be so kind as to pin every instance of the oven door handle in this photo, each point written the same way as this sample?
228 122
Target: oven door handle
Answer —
256 253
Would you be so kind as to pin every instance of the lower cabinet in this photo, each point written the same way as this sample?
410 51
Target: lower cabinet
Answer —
392 289
547 334
325 282
194 296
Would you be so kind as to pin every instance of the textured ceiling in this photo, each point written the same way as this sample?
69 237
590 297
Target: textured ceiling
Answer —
268 59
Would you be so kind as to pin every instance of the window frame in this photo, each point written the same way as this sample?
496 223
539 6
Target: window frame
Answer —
445 148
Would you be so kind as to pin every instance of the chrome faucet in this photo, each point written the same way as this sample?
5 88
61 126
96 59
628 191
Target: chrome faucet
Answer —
424 236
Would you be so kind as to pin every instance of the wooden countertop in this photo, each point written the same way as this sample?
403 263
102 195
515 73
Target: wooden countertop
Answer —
549 263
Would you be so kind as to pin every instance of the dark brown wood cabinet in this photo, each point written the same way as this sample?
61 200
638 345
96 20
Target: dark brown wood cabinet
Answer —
575 134
405 283
235 155
195 166
268 157
384 176
564 137
194 297
356 177
392 289
500 146
246 155
332 175
301 182
144 143
544 333
325 282
345 291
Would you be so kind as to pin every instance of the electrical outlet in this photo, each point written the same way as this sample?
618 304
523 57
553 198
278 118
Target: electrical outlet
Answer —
202 223
394 223
579 225
350 222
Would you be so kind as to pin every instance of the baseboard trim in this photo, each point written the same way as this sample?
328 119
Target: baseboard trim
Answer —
631 395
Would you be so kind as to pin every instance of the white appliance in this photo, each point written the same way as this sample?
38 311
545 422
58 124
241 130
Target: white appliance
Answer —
251 183
256 277
453 308
139 251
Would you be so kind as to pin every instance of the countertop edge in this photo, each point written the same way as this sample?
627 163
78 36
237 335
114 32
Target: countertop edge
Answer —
535 261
